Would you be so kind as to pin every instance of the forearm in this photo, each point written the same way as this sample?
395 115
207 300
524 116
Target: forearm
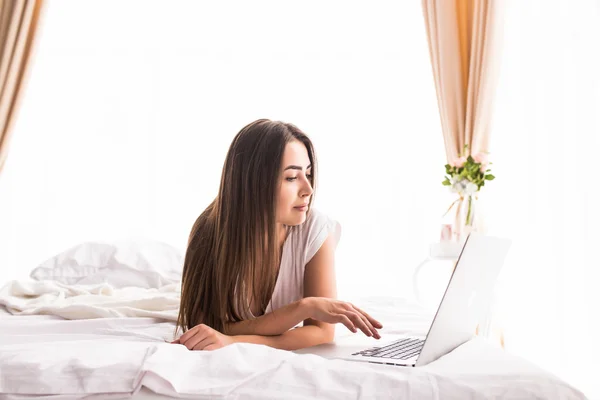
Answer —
299 338
274 323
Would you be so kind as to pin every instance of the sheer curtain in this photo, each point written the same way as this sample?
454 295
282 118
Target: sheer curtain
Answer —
128 117
464 38
18 27
544 147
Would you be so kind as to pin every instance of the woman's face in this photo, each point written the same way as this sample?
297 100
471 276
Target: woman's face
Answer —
295 185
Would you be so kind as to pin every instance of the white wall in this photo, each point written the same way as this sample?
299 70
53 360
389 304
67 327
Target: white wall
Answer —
546 142
128 115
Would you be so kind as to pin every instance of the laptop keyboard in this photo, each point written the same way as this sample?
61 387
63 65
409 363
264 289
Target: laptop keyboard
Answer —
399 350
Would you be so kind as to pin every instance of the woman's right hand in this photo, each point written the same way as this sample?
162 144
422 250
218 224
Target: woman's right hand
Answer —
334 311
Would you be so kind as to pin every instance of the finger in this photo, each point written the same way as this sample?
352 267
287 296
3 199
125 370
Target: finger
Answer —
213 346
376 334
372 320
201 345
358 322
371 328
346 321
368 323
191 332
176 341
194 340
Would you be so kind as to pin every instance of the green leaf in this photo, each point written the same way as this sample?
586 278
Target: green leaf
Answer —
446 182
490 177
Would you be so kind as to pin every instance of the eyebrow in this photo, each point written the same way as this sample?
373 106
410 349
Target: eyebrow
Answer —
296 167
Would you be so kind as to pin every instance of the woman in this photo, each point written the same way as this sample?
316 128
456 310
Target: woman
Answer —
260 260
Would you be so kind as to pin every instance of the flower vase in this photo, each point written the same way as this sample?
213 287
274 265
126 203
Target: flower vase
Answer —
465 217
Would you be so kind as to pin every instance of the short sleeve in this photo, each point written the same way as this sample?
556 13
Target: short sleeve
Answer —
318 227
303 242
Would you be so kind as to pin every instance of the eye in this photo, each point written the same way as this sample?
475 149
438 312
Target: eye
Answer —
309 176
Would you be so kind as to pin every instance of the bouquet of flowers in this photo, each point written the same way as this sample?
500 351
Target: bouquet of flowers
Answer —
466 175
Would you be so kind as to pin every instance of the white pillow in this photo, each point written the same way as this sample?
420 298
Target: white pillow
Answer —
123 263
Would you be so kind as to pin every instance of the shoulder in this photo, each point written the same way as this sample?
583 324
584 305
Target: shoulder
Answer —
316 220
317 227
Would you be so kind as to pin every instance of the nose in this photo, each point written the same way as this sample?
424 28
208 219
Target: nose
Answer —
307 189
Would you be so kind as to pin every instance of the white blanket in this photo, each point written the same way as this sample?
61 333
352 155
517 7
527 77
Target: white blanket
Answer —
74 359
89 301
120 356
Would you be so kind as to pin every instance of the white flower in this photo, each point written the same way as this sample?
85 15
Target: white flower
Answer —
457 187
462 187
470 188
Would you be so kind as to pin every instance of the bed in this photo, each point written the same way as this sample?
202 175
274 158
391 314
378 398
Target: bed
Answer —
97 325
47 356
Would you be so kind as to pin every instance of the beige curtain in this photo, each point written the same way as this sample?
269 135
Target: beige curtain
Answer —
464 48
18 25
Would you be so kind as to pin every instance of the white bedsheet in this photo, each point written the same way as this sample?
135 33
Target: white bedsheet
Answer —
116 357
89 301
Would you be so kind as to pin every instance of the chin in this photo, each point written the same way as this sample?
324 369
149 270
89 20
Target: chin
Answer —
293 220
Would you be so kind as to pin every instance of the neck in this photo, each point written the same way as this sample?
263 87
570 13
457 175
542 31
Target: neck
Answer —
281 234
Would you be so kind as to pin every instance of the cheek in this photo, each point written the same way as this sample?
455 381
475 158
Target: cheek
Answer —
282 200
285 197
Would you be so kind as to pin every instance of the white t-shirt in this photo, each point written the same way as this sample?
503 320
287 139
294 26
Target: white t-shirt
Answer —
301 244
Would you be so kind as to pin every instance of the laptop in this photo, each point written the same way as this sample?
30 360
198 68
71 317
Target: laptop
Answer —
468 294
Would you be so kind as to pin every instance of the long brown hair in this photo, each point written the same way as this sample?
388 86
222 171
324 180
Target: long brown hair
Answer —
234 240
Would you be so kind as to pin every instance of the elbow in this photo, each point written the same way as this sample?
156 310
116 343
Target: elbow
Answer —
318 333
